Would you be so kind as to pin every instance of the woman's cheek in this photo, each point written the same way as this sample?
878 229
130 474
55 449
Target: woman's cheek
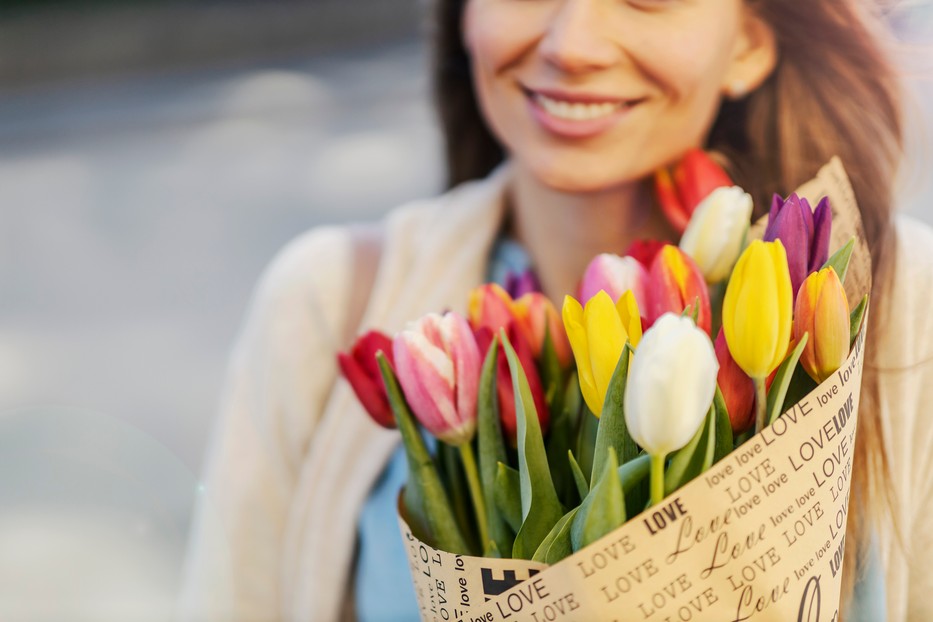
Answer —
496 34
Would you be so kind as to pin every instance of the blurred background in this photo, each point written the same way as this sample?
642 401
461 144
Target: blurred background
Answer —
154 155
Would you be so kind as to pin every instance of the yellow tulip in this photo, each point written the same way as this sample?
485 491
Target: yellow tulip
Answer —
758 307
822 311
597 336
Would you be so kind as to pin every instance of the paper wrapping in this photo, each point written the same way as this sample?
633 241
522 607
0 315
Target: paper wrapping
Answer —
759 536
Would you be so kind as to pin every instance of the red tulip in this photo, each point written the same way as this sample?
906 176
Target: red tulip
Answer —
491 307
680 191
737 388
675 283
504 389
360 369
645 250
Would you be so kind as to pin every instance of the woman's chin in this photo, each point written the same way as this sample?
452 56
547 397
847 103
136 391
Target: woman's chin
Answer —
579 178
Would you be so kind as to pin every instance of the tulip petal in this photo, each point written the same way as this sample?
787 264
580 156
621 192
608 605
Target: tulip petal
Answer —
606 337
576 333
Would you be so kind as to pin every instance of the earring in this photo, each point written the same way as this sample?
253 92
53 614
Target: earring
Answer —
737 89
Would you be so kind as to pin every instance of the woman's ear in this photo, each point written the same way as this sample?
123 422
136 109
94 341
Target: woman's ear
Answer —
754 58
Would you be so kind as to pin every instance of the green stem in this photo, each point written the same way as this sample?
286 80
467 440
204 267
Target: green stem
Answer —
761 404
476 492
657 478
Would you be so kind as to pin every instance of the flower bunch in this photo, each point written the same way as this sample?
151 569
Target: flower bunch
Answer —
554 427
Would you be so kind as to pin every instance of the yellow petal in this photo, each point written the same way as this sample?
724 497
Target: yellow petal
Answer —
606 337
627 307
572 314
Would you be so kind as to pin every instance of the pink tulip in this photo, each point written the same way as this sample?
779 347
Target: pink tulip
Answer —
675 283
360 369
615 275
438 364
491 307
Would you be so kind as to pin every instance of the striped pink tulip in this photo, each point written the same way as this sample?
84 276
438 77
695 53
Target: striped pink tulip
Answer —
438 365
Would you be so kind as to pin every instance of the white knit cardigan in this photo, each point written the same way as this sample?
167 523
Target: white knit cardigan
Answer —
293 456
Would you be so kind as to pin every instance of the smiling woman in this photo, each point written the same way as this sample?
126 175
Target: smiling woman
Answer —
555 114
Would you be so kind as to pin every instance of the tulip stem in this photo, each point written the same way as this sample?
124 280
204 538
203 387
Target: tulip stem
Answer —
657 478
761 404
476 492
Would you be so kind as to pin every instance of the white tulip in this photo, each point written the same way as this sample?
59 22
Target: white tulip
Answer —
671 384
716 232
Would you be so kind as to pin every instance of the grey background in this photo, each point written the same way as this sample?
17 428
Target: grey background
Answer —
152 160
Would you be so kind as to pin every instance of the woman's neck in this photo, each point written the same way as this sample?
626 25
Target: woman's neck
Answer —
562 232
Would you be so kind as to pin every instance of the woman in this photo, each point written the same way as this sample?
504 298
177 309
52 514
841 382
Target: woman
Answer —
555 112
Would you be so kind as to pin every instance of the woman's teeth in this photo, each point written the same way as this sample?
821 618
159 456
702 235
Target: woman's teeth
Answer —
576 111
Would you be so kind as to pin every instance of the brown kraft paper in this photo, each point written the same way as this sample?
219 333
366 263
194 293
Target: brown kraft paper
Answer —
759 536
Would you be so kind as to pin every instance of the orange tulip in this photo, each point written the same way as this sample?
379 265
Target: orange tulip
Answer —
822 310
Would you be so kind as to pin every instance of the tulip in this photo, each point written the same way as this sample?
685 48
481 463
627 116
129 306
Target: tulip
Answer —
490 306
680 192
756 314
644 251
804 233
537 315
438 365
518 284
717 230
614 275
361 370
505 392
737 388
671 384
675 283
597 335
822 310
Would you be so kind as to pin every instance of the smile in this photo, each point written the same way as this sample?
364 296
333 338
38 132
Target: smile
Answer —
570 115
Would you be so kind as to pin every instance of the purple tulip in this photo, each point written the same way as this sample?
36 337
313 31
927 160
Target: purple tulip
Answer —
438 365
803 232
517 284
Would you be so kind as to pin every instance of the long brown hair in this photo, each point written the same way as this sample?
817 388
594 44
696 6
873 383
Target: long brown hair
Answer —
834 92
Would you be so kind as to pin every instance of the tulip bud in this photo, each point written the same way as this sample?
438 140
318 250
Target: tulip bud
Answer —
680 192
438 365
644 251
674 285
361 370
597 336
537 317
717 230
614 275
756 311
671 384
505 392
822 310
737 388
804 233
490 306
518 284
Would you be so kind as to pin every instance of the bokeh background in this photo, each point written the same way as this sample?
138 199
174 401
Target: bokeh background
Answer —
154 154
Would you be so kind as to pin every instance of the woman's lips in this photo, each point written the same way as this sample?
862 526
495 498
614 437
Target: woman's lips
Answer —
576 115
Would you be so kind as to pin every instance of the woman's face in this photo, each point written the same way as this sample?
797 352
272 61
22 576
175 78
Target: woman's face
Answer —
592 94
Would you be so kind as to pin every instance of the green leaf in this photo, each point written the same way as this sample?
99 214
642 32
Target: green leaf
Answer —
491 449
725 442
633 472
422 473
612 432
840 260
583 487
552 376
587 429
782 381
694 458
558 444
603 509
855 319
541 508
508 495
453 478
556 545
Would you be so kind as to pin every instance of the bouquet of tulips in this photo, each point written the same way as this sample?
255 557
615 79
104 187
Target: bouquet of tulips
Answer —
549 431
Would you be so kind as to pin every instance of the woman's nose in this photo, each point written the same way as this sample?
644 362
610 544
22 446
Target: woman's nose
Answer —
576 40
